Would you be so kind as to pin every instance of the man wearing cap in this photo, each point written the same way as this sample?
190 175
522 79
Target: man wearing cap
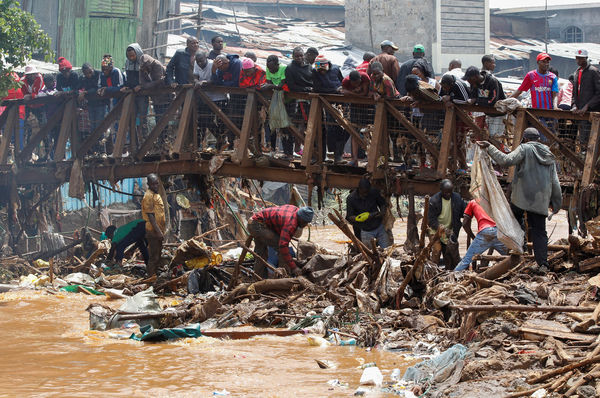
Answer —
275 227
542 83
365 209
32 82
586 92
390 64
485 88
406 68
535 187
67 80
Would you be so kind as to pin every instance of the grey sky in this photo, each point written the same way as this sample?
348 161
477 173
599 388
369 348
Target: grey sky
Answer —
534 3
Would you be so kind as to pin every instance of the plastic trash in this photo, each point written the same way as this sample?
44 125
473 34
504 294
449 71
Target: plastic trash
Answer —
348 342
371 377
396 374
34 281
541 393
41 263
368 365
201 262
438 368
317 341
79 278
337 383
328 311
221 393
278 117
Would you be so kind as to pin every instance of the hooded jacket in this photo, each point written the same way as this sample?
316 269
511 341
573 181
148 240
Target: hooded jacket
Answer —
327 83
535 186
299 77
152 74
132 69
230 77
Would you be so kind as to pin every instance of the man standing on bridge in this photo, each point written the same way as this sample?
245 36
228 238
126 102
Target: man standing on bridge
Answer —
153 212
534 187
275 227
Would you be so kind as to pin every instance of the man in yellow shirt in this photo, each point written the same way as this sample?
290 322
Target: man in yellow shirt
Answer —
153 212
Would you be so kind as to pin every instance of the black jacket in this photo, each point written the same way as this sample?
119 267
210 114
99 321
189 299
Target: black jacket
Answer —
327 83
406 69
458 209
299 78
458 92
91 86
590 89
70 84
180 69
488 92
356 205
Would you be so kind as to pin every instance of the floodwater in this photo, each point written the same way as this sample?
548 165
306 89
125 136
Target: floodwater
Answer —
49 351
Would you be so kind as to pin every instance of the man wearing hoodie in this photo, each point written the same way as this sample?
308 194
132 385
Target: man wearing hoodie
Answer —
152 75
134 55
535 187
327 79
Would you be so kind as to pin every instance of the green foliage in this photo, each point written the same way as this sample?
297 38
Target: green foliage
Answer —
20 38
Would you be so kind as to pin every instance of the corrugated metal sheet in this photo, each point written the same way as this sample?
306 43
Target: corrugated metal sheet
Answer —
119 7
106 197
95 37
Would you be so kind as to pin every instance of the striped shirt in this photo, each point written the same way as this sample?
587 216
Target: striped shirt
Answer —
541 87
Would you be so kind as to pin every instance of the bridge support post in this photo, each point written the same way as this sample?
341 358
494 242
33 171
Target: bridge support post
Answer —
591 157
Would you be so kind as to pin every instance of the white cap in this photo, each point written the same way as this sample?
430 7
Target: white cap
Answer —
581 53
30 70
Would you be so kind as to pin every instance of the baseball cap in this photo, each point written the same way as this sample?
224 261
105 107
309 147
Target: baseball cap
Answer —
389 43
543 56
471 71
581 53
418 48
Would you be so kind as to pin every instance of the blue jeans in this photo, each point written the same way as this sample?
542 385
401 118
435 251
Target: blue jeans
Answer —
487 238
378 233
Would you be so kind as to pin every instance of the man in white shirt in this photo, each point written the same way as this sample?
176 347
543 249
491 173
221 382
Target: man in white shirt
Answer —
455 69
203 70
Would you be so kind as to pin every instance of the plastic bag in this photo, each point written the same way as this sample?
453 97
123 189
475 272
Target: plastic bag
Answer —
486 188
278 117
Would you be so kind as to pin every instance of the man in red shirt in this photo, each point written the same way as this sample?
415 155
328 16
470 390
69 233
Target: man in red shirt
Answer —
275 227
487 235
364 67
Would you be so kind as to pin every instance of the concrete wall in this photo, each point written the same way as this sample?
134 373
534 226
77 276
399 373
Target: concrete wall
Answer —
447 28
585 19
316 13
45 13
406 22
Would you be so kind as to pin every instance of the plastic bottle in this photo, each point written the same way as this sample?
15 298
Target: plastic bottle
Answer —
368 365
395 374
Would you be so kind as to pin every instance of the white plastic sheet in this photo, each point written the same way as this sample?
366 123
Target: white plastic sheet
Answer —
486 188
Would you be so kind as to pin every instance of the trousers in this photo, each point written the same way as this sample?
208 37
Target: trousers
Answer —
486 238
537 233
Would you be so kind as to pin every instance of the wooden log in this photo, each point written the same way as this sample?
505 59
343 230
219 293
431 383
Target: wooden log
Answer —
447 134
564 369
236 271
418 262
378 137
581 381
487 283
341 224
424 223
589 264
499 269
519 308
591 157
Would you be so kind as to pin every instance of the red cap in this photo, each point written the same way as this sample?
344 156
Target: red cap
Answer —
543 56
64 64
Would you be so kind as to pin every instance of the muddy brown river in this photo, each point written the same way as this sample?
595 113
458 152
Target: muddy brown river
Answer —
48 350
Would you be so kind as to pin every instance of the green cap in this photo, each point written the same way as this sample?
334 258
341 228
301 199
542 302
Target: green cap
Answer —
419 48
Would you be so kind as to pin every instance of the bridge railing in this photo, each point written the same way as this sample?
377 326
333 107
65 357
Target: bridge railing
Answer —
432 140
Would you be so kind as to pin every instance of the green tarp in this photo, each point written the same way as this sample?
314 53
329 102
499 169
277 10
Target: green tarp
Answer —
151 334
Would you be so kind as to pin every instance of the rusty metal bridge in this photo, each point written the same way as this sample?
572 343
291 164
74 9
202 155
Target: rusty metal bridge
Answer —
432 147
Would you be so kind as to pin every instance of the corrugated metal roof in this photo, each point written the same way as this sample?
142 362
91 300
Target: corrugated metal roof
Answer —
536 9
511 48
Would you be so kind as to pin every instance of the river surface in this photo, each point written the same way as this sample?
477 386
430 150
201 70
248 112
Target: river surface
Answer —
48 350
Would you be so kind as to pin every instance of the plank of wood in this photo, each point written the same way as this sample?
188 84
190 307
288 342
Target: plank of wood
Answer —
220 114
65 131
591 157
549 134
378 137
35 140
160 126
447 133
343 122
249 115
184 122
313 130
127 113
589 264
519 308
8 131
412 129
95 136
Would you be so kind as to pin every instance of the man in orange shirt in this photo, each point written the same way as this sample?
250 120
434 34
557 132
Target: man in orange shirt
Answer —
487 235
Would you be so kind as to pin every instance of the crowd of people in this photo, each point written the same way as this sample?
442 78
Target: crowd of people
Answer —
378 76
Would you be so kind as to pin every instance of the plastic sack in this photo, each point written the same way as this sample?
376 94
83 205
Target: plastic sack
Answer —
278 117
439 368
486 188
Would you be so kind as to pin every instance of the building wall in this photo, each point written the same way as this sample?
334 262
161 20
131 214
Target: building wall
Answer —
45 13
447 29
586 19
